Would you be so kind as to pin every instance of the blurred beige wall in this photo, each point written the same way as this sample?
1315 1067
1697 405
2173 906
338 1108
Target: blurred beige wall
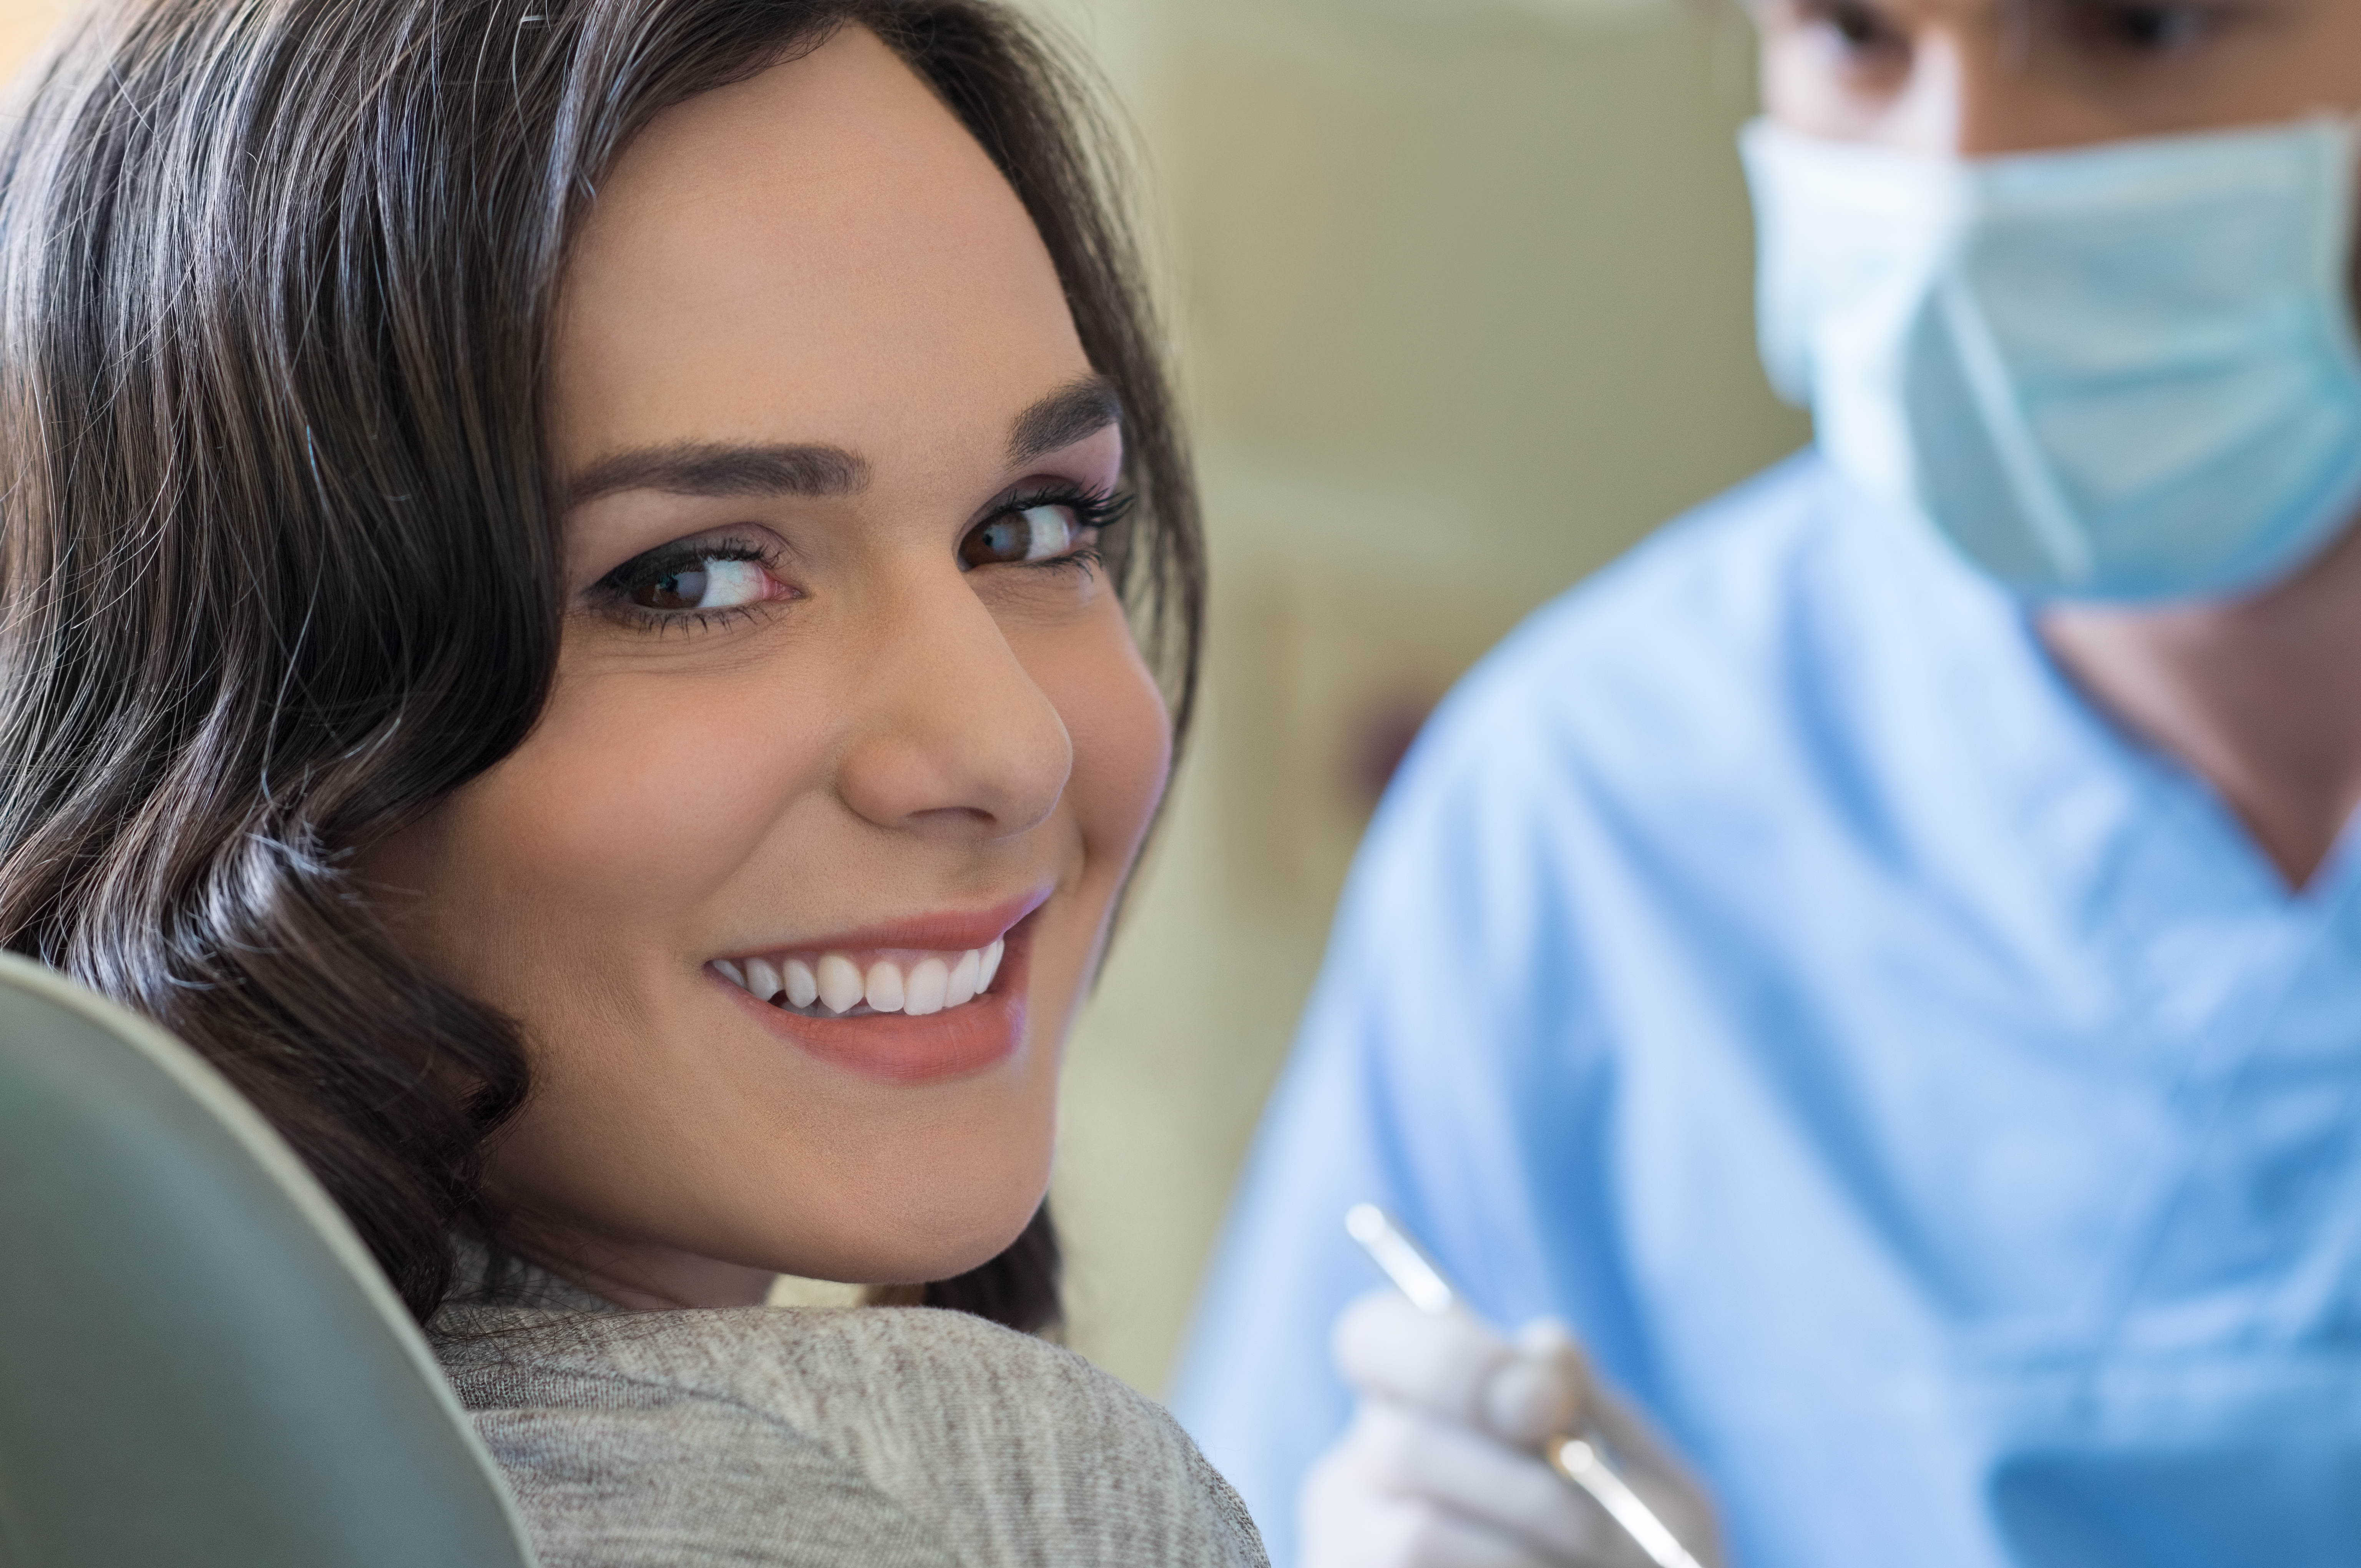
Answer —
1460 293
1463 292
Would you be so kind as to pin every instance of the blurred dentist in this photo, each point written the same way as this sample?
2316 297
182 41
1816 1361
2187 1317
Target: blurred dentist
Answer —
1883 963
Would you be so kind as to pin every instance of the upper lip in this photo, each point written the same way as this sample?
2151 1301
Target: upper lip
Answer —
943 931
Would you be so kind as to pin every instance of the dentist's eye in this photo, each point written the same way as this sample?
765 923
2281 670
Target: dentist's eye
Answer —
2147 28
1062 527
1859 26
1856 30
695 581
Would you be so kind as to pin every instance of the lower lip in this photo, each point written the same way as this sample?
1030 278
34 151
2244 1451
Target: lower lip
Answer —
898 1048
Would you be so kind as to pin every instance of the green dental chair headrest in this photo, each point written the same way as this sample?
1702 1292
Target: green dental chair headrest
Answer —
199 1367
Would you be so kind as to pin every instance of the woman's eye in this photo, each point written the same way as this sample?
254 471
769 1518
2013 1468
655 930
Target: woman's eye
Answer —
701 582
1037 533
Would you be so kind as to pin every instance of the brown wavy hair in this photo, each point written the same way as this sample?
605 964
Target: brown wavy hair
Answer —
279 563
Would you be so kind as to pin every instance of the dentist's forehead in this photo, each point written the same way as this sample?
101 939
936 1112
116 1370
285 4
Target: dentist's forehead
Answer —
1960 11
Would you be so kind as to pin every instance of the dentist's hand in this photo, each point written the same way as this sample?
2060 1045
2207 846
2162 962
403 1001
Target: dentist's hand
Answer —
1441 1468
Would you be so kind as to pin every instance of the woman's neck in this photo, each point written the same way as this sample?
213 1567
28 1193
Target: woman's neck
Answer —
2260 696
643 1279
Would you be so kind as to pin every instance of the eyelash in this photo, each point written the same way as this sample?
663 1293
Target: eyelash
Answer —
1094 511
618 583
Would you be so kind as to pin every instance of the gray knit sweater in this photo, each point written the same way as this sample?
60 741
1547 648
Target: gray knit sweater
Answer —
853 1438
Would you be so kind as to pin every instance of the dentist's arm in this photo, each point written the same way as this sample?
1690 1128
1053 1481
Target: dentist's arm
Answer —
1441 1467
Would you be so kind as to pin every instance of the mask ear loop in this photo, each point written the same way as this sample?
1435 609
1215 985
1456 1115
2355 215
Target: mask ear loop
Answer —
2035 483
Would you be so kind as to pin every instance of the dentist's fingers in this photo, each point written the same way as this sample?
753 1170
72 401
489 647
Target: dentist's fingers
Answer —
1404 1489
1441 1466
1341 1528
1545 1388
1407 1453
1387 1348
1455 1366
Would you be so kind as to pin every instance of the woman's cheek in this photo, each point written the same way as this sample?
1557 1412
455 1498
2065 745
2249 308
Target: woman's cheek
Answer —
648 789
1122 736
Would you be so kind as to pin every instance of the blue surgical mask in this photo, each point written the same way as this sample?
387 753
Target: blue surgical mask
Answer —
2122 372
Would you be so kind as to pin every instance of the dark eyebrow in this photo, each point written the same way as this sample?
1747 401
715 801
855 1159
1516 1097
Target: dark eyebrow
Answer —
713 469
1081 409
1076 410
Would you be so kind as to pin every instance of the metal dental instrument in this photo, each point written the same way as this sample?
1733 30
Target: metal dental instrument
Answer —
1580 1457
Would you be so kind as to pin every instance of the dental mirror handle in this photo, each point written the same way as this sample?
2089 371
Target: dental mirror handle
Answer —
1580 1457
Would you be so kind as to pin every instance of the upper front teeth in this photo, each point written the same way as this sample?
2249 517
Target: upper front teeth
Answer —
925 985
839 986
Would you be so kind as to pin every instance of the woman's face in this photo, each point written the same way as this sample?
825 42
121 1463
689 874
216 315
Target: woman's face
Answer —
845 705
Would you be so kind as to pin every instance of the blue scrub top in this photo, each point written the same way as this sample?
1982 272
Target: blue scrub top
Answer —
1926 1102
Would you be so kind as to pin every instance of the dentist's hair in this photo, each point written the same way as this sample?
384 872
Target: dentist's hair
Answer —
279 561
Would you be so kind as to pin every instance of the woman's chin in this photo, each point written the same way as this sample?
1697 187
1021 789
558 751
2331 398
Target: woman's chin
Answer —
898 1252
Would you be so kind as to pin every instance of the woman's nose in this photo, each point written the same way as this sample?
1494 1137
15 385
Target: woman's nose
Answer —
955 738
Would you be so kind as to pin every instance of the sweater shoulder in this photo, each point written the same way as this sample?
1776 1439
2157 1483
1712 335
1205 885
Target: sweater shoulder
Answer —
938 1429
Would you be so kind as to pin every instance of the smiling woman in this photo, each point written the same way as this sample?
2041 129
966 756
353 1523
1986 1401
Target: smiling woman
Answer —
837 471
576 577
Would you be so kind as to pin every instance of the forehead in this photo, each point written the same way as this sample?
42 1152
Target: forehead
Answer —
821 253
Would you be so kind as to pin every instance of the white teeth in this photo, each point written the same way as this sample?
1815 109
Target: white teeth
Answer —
883 988
929 987
958 986
839 983
761 979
